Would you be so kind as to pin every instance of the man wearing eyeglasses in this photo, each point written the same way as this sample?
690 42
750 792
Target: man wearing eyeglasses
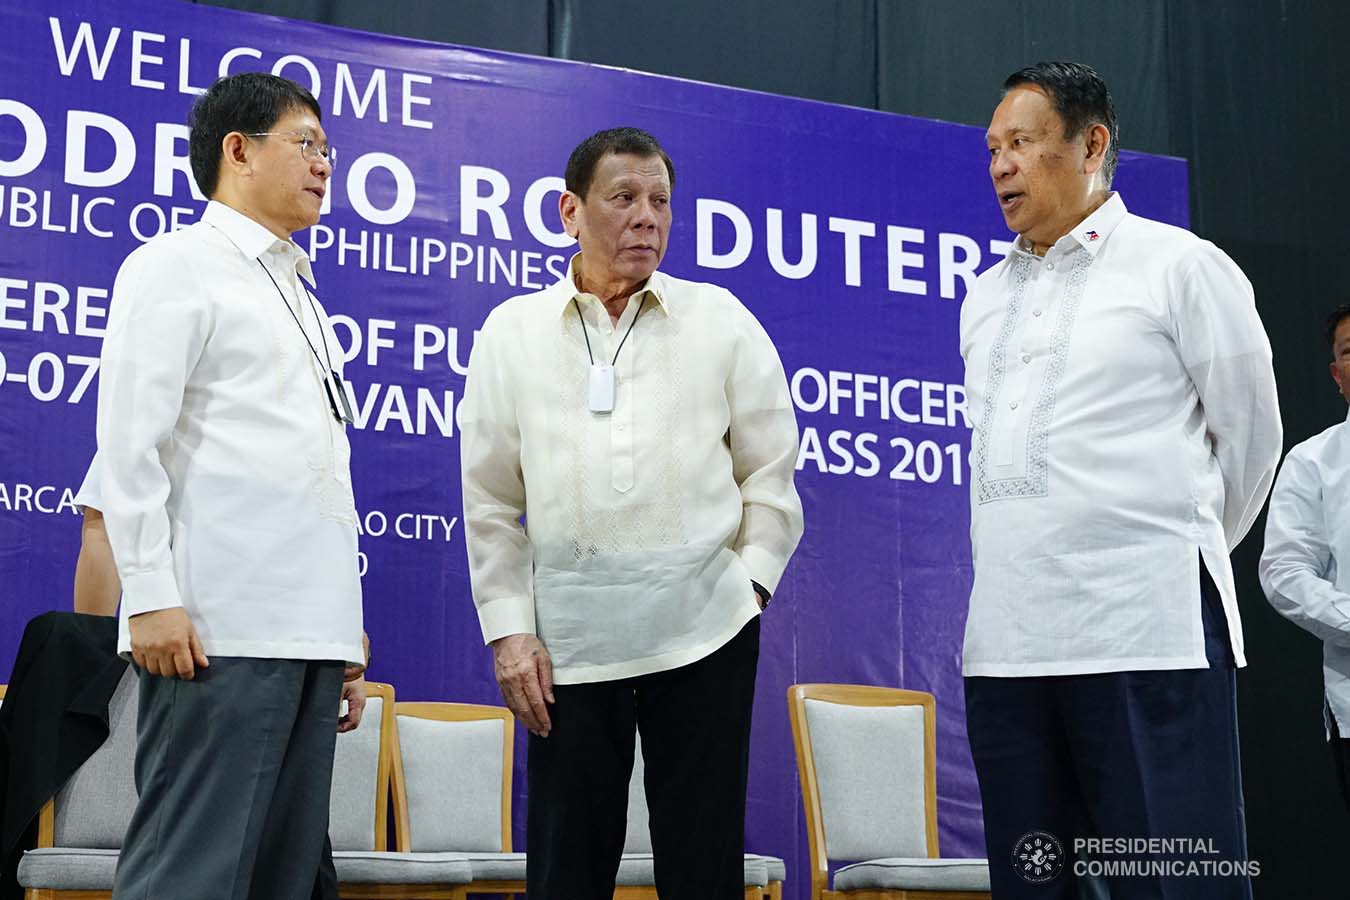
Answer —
228 504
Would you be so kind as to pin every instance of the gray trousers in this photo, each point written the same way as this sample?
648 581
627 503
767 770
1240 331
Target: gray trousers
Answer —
233 770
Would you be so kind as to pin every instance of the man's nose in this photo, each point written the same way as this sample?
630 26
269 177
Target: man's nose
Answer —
644 214
1000 164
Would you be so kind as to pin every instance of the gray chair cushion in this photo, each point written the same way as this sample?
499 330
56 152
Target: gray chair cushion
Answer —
453 773
870 769
496 866
356 763
638 837
914 875
636 870
63 869
94 807
371 867
777 868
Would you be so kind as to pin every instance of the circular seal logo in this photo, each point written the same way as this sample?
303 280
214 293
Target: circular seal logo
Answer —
1038 857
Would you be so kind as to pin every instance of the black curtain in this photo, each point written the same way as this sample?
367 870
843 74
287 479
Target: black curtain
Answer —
1253 94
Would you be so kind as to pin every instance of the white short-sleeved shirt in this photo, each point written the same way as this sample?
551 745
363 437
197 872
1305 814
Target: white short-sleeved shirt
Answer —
90 493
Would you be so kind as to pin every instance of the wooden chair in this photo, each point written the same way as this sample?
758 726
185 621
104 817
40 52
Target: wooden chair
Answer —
452 795
363 773
365 758
636 876
867 761
80 830
452 789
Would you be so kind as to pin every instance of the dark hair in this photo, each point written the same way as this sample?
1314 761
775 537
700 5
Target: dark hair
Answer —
1338 315
249 102
1080 97
581 164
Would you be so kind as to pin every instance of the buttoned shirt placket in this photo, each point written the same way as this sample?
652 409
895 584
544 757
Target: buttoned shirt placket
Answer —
620 420
1028 348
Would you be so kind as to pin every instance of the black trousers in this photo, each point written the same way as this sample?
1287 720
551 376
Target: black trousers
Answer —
1147 754
695 726
1340 758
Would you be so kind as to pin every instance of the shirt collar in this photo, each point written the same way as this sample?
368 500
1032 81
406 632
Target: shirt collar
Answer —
1090 234
1093 231
565 290
253 240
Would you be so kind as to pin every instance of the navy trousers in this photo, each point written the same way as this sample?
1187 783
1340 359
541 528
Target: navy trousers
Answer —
1122 755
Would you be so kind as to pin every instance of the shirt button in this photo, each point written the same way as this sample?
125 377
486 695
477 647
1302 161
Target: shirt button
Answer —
1026 358
1012 404
1036 313
1050 266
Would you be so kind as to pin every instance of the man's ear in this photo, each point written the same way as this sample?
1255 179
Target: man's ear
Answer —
1096 141
1339 377
569 206
236 154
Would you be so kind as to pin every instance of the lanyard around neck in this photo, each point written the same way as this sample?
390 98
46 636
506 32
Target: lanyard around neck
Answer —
299 324
623 341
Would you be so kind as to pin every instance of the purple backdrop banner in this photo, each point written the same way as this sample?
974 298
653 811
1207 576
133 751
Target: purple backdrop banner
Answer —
851 234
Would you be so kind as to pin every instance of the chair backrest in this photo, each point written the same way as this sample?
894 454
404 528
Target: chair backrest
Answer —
94 807
358 804
867 763
452 777
638 836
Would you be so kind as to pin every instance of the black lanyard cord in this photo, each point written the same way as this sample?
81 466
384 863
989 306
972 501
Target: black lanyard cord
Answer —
587 336
298 323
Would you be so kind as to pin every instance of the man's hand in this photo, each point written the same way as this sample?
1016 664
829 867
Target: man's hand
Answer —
525 677
164 642
354 692
351 673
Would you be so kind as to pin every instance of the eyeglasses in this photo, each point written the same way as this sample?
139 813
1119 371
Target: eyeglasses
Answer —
309 148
